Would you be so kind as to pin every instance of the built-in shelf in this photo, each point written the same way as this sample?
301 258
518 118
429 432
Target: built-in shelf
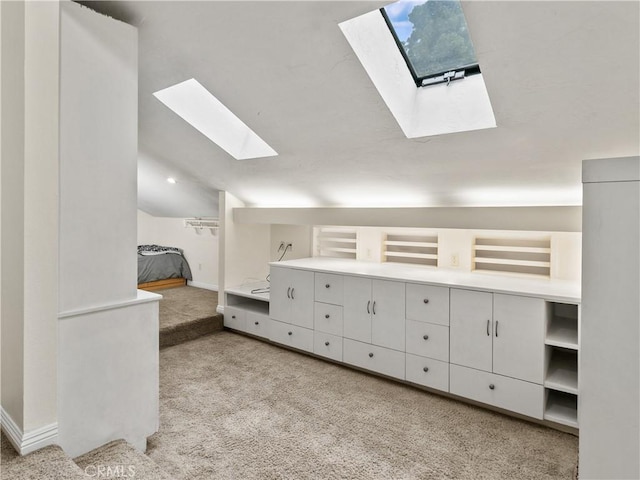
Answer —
562 408
256 291
563 332
562 373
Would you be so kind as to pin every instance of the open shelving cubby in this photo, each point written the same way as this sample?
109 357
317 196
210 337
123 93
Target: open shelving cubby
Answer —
562 350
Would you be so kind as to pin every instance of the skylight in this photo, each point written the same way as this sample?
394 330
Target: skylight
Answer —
198 107
433 38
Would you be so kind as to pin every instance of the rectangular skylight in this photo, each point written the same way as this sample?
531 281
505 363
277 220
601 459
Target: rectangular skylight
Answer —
197 106
433 38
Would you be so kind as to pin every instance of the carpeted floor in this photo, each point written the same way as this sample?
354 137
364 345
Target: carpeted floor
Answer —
187 313
236 408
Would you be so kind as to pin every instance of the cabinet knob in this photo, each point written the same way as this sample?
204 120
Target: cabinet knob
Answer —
371 355
326 316
327 286
290 333
426 300
326 344
257 323
492 386
426 337
425 369
233 316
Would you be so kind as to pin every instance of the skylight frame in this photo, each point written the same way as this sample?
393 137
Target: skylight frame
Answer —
446 76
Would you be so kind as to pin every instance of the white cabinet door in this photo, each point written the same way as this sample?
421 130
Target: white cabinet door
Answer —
280 294
291 296
301 294
471 329
428 303
387 314
518 337
357 308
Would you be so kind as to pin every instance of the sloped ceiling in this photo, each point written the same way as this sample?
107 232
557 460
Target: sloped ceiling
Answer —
563 78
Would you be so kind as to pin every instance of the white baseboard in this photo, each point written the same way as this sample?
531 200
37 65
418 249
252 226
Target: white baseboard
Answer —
206 286
28 442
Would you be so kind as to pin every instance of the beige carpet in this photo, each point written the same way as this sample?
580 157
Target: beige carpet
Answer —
187 313
237 408
49 463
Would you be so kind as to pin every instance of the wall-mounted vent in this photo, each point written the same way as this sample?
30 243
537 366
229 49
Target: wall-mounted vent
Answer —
420 249
336 242
513 255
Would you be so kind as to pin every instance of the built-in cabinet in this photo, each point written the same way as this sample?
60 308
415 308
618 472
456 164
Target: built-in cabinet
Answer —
517 352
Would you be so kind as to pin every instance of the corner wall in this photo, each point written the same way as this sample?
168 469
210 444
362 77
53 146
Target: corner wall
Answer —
30 112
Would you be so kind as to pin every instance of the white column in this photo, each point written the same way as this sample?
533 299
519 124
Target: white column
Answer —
609 400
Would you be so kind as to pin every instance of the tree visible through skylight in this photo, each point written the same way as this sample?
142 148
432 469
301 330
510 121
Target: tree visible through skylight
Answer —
433 37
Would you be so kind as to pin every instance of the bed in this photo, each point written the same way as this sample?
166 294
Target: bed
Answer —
161 267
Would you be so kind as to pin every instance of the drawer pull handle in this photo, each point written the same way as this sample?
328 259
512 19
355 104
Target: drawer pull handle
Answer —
326 344
292 290
492 386
426 337
425 369
370 355
374 307
290 333
326 316
289 292
368 304
327 286
496 328
426 300
488 322
257 323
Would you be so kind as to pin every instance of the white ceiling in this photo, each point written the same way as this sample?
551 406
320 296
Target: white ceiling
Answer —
563 79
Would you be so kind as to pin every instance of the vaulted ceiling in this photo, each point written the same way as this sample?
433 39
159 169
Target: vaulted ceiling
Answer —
563 79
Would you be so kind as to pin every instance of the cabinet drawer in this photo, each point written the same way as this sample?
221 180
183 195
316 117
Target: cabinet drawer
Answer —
508 393
235 318
257 324
427 372
428 340
328 318
329 288
374 358
327 345
291 335
426 303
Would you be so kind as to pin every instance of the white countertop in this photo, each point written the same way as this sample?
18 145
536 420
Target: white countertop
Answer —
549 289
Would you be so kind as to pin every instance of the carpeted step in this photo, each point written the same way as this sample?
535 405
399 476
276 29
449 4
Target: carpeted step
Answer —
119 459
47 463
190 330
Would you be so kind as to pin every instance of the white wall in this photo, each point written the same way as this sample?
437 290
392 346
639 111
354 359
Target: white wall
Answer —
98 159
200 248
300 236
30 45
245 249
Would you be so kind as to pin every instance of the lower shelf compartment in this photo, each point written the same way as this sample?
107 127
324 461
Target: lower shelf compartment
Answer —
561 408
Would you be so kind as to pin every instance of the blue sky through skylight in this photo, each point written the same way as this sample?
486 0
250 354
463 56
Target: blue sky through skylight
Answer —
398 13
